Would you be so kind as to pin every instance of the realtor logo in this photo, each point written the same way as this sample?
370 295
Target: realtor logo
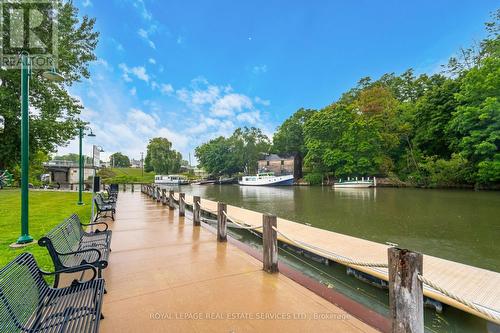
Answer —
31 26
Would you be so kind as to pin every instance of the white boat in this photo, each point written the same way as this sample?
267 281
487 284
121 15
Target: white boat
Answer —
171 180
355 183
266 179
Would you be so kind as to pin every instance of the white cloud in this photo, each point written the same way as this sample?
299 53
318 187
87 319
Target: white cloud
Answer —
86 3
152 61
180 40
166 88
145 35
264 102
133 91
141 7
259 69
231 103
139 72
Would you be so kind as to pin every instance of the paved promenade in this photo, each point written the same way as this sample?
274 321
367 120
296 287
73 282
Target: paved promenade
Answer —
166 276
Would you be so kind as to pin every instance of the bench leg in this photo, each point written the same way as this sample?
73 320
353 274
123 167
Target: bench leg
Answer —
56 280
102 316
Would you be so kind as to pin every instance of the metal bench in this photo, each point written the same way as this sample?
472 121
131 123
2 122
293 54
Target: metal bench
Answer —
107 201
103 207
69 245
29 304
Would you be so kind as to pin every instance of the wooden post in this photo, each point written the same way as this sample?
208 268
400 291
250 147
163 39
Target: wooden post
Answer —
132 187
269 243
158 194
124 187
221 222
182 204
171 199
405 291
164 196
196 211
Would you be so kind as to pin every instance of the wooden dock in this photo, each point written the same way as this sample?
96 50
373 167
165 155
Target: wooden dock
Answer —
165 275
479 286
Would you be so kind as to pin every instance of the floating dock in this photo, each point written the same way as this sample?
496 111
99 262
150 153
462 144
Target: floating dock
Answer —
479 287
165 275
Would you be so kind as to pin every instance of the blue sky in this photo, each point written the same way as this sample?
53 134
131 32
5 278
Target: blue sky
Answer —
193 70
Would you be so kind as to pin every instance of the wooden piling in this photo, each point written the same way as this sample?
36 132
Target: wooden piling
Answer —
171 199
221 222
124 187
164 196
269 243
196 211
405 291
158 194
182 204
132 187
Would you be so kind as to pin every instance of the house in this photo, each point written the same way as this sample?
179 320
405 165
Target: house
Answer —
280 165
66 172
135 163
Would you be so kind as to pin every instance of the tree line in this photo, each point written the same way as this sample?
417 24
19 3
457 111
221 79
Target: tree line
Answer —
428 130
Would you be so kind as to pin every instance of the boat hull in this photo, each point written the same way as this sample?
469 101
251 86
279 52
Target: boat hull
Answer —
358 185
270 181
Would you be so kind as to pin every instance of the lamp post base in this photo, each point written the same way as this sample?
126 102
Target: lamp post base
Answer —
24 239
79 203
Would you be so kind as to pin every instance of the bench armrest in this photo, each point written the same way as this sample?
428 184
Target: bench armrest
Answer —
82 251
95 223
75 269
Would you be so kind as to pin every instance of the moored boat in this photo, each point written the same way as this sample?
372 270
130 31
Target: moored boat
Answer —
355 183
171 180
267 179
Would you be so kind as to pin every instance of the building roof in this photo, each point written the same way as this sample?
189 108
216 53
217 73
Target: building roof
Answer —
276 157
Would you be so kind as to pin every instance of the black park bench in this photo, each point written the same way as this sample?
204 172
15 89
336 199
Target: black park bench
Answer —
29 304
69 245
104 207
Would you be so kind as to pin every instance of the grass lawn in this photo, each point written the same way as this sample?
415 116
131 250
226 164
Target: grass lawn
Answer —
47 209
133 175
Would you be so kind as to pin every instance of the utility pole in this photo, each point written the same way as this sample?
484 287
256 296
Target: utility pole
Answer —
142 163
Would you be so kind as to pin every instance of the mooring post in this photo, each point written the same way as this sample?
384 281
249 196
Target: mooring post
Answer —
221 222
405 291
158 194
171 199
269 243
132 187
182 204
124 187
164 196
196 211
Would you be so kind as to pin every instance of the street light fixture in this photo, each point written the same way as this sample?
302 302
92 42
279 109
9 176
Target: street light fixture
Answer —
25 77
81 133
100 150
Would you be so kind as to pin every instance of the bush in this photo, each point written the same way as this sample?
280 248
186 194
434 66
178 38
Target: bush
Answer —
440 172
314 178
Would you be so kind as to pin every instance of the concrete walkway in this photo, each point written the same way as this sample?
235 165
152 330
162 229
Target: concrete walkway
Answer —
165 275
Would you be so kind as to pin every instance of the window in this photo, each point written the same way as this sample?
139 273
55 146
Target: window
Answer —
282 162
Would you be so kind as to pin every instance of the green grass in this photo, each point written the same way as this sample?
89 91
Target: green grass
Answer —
131 175
47 209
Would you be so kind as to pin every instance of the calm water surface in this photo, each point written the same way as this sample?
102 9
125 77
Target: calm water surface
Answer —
458 225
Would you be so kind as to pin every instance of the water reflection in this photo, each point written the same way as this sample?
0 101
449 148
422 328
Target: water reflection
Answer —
267 192
356 193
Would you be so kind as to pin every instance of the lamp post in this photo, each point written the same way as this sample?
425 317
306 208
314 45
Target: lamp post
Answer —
101 150
81 133
25 78
142 164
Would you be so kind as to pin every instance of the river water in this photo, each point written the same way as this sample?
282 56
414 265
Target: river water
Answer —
458 225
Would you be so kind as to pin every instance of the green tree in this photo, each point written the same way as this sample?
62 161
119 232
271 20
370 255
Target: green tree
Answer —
56 121
161 158
118 160
289 137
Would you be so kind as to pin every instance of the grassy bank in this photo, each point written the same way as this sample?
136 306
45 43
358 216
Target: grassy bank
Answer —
47 209
126 175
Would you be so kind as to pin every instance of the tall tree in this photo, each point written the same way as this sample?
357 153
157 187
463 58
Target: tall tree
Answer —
56 121
161 158
289 137
118 160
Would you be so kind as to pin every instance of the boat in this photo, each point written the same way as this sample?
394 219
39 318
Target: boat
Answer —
355 183
266 179
171 180
224 181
